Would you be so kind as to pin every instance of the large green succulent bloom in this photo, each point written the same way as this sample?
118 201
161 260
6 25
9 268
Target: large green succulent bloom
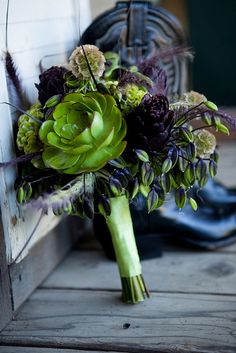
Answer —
86 131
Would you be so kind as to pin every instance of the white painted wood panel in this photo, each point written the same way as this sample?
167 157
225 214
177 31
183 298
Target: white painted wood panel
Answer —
46 31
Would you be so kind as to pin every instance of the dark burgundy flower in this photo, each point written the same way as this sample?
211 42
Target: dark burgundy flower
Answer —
149 125
51 82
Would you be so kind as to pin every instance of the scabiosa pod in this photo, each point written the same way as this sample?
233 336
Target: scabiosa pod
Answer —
205 143
79 64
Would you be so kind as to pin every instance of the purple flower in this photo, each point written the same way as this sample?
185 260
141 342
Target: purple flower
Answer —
149 124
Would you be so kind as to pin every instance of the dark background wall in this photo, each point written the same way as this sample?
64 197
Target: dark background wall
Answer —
211 27
212 34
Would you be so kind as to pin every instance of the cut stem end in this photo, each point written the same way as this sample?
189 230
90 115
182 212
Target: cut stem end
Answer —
134 289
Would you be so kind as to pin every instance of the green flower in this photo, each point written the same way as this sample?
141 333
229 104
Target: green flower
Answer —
27 136
134 95
79 64
205 143
86 132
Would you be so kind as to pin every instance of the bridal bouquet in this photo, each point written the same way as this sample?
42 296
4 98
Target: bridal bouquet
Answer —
100 134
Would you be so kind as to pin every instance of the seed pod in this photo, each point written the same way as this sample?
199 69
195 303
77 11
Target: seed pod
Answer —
27 191
144 170
88 207
202 182
144 190
54 100
189 173
152 200
212 168
142 155
186 134
115 186
20 195
206 118
200 169
119 175
173 155
191 151
211 106
148 177
215 156
78 208
180 197
165 182
117 163
166 166
193 204
102 88
222 128
104 206
127 172
56 209
135 188
67 207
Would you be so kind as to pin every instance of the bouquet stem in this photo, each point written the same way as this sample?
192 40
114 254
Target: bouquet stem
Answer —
121 228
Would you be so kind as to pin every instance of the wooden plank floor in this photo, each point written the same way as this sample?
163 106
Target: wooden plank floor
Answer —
78 308
192 308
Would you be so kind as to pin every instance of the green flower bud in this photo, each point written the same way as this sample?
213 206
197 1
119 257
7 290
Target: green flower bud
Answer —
189 173
54 100
211 106
86 132
27 136
193 204
212 168
134 95
20 195
79 66
166 166
115 186
180 197
191 151
205 143
104 206
142 155
152 200
200 169
135 188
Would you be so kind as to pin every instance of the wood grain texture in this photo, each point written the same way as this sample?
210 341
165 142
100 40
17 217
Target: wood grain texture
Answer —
189 272
5 286
94 320
15 349
46 31
42 259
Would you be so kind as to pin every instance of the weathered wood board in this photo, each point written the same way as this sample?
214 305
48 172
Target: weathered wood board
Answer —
97 320
43 257
15 349
46 32
189 272
5 285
